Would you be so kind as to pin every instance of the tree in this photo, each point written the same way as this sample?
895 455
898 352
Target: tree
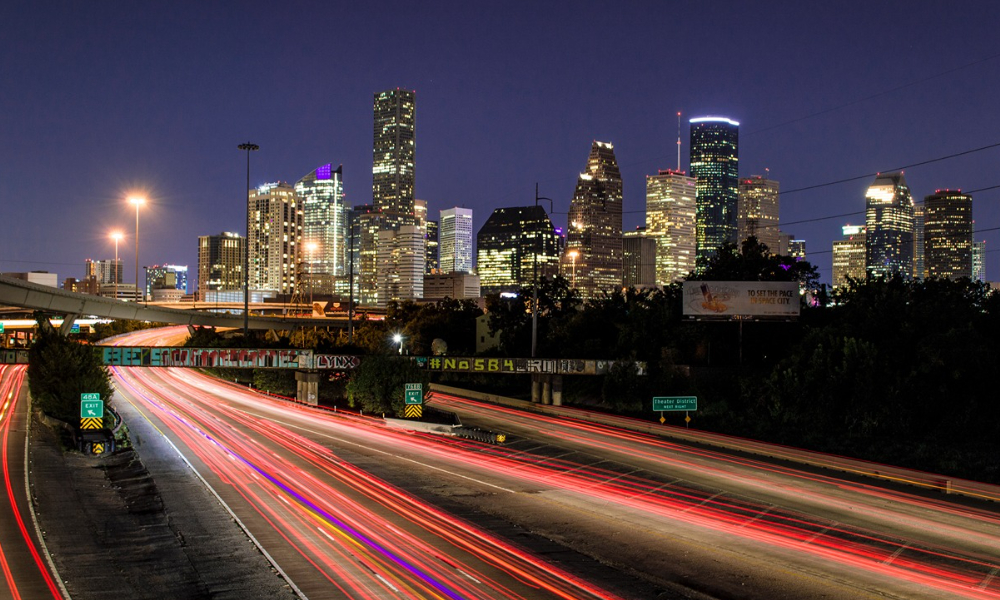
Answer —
378 384
753 261
60 370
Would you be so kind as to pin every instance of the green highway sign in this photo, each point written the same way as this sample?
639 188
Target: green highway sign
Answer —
1 327
91 406
661 403
414 393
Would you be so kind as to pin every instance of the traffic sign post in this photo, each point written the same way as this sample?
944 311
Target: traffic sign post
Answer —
413 396
91 411
675 403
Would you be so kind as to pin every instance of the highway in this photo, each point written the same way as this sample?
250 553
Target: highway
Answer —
347 507
22 559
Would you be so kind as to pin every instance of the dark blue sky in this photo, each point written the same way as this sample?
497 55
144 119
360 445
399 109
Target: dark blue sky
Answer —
103 98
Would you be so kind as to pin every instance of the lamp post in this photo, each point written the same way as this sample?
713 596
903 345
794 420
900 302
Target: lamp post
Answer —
534 285
116 236
137 202
398 338
248 147
311 254
572 256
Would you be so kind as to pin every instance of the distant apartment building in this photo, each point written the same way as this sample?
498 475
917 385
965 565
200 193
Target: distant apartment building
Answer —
166 276
104 271
220 263
275 237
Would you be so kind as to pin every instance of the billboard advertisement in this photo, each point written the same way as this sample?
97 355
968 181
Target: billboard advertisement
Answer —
726 299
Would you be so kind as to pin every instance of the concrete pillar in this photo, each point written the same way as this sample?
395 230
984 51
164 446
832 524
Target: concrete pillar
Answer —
67 324
535 389
547 389
307 387
557 390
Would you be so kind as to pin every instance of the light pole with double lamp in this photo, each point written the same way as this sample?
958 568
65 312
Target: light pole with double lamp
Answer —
137 202
117 237
248 147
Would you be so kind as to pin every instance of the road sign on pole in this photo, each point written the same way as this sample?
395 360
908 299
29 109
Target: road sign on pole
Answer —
91 411
414 393
661 403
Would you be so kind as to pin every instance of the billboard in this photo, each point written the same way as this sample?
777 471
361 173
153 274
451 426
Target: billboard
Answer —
727 299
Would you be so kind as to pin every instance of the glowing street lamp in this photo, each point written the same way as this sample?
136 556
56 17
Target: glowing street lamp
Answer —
311 248
137 202
398 339
117 237
572 256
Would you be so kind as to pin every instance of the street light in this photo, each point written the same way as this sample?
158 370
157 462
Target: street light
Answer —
572 256
311 248
137 202
534 285
398 339
248 147
117 237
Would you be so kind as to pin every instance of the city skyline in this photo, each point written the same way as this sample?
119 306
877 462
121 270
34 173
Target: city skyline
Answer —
818 101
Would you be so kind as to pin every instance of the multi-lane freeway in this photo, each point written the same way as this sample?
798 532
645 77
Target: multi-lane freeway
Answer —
346 506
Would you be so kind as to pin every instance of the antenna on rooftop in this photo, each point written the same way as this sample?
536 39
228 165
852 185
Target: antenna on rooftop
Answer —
678 141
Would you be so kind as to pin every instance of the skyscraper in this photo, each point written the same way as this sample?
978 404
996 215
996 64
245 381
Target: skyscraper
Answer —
401 261
919 265
758 211
220 263
670 221
175 276
430 237
513 245
849 256
889 227
715 166
979 260
638 260
948 234
366 222
275 236
594 231
455 240
324 224
393 156
104 271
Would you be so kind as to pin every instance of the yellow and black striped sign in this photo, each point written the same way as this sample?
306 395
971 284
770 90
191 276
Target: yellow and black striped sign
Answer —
97 448
413 411
92 423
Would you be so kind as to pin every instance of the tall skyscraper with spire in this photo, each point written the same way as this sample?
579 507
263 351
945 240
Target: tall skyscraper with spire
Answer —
889 227
393 155
715 167
593 257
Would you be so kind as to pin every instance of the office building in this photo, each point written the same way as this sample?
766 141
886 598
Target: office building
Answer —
166 276
797 248
103 271
514 246
457 285
430 237
919 265
638 260
715 167
670 221
393 156
220 263
275 237
889 227
366 222
324 229
593 257
948 234
758 211
36 277
401 261
455 241
849 256
979 261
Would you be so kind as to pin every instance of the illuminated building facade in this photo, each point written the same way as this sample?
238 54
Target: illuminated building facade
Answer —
164 276
430 237
889 227
948 234
715 166
324 223
638 260
220 263
393 156
593 257
103 271
919 265
849 255
979 260
366 222
758 211
275 236
513 245
455 240
670 221
401 261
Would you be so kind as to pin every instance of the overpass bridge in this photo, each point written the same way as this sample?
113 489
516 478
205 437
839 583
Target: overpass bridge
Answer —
71 305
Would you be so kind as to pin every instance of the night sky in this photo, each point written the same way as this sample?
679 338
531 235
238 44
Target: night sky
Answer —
101 100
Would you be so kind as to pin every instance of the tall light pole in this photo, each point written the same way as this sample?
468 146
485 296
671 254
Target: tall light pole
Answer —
248 147
398 338
116 236
350 285
534 285
137 202
572 256
311 248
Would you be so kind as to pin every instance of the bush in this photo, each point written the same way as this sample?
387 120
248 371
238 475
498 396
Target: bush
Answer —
377 385
60 370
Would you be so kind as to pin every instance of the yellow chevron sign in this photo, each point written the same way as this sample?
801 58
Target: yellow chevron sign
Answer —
92 423
97 448
413 411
